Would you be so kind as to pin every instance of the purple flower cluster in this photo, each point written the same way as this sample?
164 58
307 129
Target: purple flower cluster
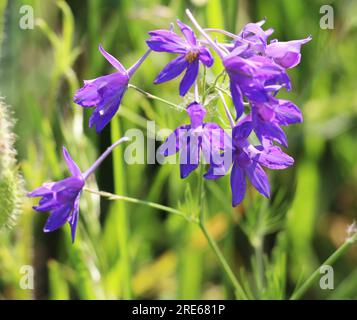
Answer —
257 71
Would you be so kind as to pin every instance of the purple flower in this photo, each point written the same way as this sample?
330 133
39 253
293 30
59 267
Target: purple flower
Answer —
61 198
268 117
286 54
191 139
247 163
105 93
256 69
190 54
253 78
252 40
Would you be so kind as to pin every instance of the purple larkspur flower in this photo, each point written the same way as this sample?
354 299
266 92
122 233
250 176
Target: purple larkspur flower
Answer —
193 138
286 53
256 69
105 93
267 119
253 78
248 162
190 52
61 198
253 40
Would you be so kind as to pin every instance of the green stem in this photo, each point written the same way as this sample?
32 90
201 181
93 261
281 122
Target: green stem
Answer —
258 244
228 113
122 219
229 94
239 292
151 96
330 261
211 86
223 90
258 248
158 206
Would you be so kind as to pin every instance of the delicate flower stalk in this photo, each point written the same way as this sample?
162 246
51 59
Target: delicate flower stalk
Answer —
239 291
113 197
151 96
213 44
228 113
197 95
299 293
224 32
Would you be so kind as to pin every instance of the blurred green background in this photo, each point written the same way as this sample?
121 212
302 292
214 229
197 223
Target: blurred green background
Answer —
130 251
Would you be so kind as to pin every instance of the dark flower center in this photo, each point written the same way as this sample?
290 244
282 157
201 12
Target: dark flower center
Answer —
191 55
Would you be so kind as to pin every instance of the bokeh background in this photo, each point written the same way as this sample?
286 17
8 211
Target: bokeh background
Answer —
131 251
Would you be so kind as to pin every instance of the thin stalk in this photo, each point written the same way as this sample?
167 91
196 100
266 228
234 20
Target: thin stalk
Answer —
228 113
223 47
234 281
212 86
258 248
330 261
151 96
258 244
229 34
197 96
224 91
224 32
204 84
246 104
213 44
121 217
111 196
